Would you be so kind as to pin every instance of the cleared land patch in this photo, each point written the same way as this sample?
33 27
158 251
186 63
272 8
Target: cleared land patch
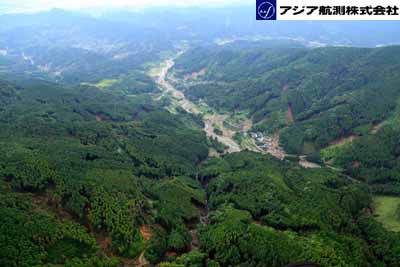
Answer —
103 84
386 210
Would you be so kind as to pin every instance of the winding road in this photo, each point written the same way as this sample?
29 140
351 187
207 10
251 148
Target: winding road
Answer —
209 120
213 121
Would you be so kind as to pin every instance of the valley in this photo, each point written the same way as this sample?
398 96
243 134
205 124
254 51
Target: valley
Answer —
174 138
214 123
209 120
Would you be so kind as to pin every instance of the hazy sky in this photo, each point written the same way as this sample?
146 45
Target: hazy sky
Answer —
7 6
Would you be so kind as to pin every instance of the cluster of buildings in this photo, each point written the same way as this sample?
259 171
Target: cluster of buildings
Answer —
261 140
269 144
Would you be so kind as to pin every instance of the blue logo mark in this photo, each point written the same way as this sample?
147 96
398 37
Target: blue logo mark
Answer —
266 10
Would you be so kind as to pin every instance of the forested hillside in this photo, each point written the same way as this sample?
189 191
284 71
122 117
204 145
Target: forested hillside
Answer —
79 165
189 139
86 184
373 158
87 173
264 212
314 96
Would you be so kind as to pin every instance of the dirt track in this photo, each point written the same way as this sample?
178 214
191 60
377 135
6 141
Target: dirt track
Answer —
209 120
214 121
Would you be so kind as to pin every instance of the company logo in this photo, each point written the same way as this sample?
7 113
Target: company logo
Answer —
266 10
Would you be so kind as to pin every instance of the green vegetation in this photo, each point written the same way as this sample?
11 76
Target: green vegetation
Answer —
289 215
103 84
216 145
217 130
373 159
281 195
97 165
107 177
133 83
31 236
327 89
387 211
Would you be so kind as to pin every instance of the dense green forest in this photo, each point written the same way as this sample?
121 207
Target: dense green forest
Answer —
78 164
264 212
373 158
80 180
330 92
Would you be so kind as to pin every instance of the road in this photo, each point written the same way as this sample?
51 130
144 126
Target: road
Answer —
210 121
213 121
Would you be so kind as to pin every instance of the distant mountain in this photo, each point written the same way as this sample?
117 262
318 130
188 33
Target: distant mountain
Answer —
72 47
235 22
